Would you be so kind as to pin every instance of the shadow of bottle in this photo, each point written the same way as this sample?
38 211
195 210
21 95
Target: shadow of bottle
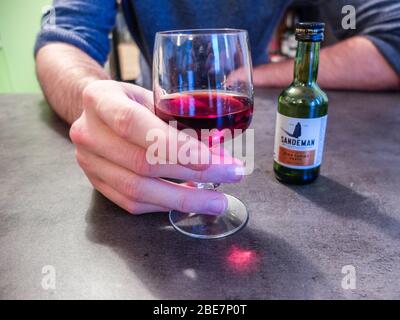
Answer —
349 204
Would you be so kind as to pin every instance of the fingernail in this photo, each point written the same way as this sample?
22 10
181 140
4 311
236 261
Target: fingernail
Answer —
217 206
238 162
235 173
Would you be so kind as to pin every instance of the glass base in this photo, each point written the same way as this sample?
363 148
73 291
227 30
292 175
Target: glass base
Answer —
204 226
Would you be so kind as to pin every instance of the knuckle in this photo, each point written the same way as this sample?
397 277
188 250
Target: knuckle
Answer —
95 183
89 94
140 164
132 188
133 208
183 203
124 120
94 90
81 159
79 133
75 132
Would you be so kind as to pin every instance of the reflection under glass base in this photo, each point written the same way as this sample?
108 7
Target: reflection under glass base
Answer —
204 226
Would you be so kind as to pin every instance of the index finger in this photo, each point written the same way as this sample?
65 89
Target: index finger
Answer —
123 110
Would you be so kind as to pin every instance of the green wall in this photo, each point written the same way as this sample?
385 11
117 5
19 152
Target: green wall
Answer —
19 23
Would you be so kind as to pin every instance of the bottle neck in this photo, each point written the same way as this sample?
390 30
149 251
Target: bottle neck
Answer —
306 62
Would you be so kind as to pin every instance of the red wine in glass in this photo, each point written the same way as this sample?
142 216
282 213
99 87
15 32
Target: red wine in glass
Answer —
207 110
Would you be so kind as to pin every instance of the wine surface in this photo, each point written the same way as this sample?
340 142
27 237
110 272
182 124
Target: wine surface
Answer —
206 110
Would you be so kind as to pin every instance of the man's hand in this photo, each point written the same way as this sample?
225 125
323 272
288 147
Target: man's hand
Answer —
110 139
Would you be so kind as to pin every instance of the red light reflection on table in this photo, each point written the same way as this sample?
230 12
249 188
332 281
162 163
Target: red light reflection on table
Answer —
242 260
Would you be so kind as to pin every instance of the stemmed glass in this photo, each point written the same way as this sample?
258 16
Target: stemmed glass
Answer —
202 79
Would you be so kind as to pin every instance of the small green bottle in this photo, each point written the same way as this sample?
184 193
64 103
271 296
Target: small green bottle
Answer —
302 113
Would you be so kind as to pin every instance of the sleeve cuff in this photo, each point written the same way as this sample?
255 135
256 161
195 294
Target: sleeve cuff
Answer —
390 53
47 36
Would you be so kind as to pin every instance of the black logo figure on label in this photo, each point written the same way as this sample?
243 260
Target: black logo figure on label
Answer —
296 132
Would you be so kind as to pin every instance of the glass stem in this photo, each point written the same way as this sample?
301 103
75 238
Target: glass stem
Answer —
213 147
206 185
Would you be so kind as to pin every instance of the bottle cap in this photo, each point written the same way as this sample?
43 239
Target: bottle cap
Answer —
310 31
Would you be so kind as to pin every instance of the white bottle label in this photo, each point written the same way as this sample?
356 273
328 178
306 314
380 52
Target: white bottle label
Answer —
299 142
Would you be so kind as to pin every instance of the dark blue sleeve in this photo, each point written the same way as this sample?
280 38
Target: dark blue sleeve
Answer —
378 20
84 24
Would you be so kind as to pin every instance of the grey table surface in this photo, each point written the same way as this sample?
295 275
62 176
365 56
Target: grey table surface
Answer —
52 222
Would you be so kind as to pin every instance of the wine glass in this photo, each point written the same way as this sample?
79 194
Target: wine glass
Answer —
202 80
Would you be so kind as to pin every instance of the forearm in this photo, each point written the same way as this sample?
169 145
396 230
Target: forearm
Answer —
354 63
63 72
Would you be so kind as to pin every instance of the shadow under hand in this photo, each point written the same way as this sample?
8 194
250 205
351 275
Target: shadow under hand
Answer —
347 203
53 121
248 265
